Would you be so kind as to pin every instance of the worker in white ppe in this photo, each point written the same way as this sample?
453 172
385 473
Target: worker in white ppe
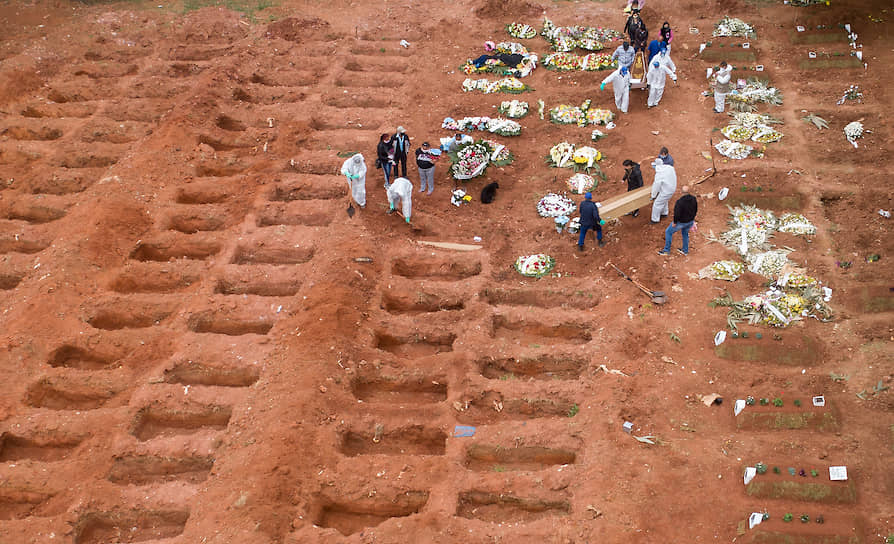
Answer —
401 191
620 80
663 188
355 170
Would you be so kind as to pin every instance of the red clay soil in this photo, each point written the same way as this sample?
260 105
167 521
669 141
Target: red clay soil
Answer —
192 353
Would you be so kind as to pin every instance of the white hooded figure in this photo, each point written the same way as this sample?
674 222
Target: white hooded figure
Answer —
355 170
401 191
620 80
721 87
665 59
663 189
656 79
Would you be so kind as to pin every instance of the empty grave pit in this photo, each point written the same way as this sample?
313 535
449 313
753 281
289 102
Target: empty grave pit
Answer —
420 302
192 373
126 316
18 502
209 323
219 170
178 249
381 440
435 268
58 110
41 448
282 255
141 280
70 356
19 244
35 214
793 349
131 526
285 79
490 407
539 298
325 167
484 458
398 390
532 331
219 144
229 124
542 367
258 287
415 345
63 182
306 191
365 100
32 133
150 469
10 280
56 394
369 80
153 422
505 507
277 216
350 517
191 223
203 194
86 161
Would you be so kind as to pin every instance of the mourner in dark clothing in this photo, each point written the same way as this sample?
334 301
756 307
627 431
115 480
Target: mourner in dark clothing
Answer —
385 156
685 210
634 179
589 219
401 150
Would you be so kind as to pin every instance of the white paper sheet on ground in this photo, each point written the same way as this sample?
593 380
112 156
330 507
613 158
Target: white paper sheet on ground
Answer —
811 54
737 408
723 193
838 474
819 400
860 55
701 48
755 519
802 29
847 27
709 72
610 125
719 338
750 473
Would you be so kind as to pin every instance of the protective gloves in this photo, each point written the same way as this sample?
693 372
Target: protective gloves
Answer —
602 87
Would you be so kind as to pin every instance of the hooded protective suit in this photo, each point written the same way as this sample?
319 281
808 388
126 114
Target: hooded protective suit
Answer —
665 59
621 85
355 170
656 78
401 191
663 188
721 88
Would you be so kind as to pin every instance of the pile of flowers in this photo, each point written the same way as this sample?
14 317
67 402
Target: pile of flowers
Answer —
853 131
597 134
505 85
521 31
534 266
496 125
511 48
499 153
755 90
748 126
795 223
733 150
564 61
560 154
496 66
553 205
753 120
852 93
731 26
597 116
753 217
566 155
567 38
469 160
766 135
768 264
722 270
586 155
515 109
797 280
565 114
581 183
778 307
737 133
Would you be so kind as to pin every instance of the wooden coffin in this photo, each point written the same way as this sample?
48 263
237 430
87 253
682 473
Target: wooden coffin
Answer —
622 204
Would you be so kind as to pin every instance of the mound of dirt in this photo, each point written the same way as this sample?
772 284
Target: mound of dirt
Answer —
508 8
294 29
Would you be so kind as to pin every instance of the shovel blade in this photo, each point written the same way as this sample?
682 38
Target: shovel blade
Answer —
351 210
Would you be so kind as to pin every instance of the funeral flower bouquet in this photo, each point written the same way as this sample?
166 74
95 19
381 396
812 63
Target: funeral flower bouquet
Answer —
733 150
515 109
581 183
469 160
795 223
554 205
586 156
731 26
722 270
534 266
499 153
560 154
496 125
595 61
505 85
853 131
521 31
768 264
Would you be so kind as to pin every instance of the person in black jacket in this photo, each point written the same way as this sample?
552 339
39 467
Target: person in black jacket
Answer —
385 156
589 219
684 217
634 179
401 150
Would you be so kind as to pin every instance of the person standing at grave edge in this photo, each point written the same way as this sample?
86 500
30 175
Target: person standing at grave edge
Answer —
401 150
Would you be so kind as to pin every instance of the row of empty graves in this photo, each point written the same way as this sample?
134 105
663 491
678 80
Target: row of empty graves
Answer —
426 398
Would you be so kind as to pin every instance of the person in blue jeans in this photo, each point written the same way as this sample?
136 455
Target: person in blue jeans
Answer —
589 219
685 210
385 156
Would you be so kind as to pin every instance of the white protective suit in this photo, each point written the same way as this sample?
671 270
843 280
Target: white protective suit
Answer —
355 170
401 191
656 78
621 85
665 59
663 188
721 88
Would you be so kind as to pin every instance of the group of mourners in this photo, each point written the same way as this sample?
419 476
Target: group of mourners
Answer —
663 189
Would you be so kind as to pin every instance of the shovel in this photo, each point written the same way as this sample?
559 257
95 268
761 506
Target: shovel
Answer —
351 210
658 297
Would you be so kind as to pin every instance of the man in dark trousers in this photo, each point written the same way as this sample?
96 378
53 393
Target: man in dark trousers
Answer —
589 219
634 179
684 217
401 150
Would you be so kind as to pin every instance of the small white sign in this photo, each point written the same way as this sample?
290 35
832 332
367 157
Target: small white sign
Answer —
737 409
755 519
746 45
819 400
759 68
628 427
838 474
860 55
811 54
847 27
800 28
750 473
